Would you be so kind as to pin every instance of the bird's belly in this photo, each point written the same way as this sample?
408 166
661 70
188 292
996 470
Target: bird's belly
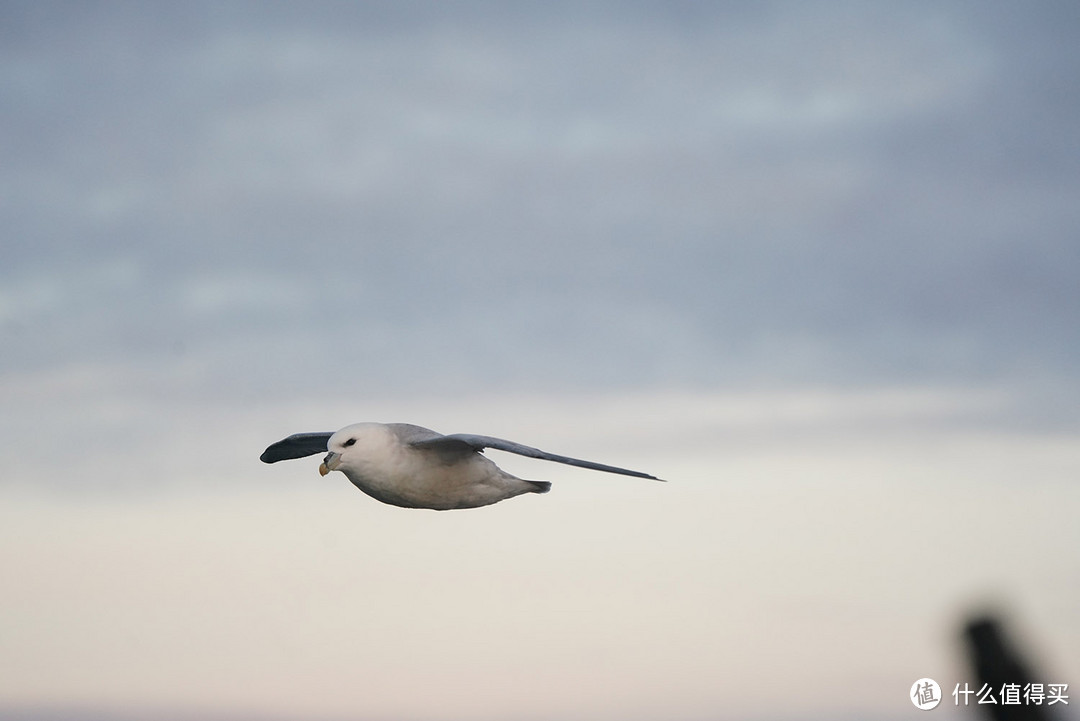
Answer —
439 488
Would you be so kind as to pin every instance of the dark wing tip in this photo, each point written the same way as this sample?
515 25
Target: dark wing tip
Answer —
297 445
272 455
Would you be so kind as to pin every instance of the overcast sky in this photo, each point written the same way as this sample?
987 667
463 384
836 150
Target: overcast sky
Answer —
648 194
649 230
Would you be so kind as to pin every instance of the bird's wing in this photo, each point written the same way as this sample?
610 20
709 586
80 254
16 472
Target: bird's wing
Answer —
297 445
407 433
469 443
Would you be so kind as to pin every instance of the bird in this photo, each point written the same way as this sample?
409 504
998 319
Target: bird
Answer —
414 467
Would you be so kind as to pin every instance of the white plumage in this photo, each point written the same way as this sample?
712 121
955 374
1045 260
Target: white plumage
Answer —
413 467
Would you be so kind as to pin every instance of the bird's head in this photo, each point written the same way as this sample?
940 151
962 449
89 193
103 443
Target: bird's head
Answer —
349 446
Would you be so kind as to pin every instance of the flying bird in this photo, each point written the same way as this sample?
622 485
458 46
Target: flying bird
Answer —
413 467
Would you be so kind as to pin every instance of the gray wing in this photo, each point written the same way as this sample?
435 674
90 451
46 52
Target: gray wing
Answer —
408 434
469 443
297 445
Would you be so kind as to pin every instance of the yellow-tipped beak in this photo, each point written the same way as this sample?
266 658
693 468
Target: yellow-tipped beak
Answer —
330 463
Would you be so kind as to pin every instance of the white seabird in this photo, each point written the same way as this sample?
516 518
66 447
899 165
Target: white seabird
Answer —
413 467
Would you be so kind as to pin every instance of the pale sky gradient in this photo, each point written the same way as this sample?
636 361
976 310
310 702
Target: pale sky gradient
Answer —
815 263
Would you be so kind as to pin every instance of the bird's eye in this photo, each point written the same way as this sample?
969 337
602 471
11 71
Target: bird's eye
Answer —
350 442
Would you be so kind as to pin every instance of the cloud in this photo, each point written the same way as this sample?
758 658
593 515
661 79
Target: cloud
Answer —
656 196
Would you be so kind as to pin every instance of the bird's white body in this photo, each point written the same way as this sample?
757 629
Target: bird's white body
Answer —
382 464
413 467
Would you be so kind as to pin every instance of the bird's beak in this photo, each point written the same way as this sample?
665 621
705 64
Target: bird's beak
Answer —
330 463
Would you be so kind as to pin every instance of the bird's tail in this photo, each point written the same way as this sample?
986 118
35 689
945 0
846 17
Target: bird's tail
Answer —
540 486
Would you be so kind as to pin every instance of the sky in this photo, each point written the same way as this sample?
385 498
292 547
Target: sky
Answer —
816 264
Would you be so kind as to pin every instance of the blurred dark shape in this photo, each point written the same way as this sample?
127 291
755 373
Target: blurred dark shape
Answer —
996 663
